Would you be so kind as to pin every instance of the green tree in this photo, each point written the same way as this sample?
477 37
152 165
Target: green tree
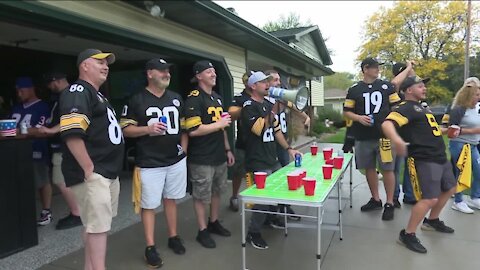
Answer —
292 20
429 32
339 80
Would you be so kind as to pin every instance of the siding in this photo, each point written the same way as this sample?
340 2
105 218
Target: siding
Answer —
123 15
307 44
317 93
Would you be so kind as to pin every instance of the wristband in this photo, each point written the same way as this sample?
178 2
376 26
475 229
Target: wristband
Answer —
289 148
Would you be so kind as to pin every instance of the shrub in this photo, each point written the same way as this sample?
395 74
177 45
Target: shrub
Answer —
319 124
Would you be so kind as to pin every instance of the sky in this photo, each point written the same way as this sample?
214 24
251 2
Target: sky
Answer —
341 22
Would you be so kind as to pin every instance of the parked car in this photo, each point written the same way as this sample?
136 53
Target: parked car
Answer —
438 111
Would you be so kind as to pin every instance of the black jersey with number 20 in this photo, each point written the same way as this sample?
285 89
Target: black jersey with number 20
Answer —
418 126
87 114
145 109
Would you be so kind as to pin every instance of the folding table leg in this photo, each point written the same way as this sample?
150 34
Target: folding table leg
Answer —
244 253
319 236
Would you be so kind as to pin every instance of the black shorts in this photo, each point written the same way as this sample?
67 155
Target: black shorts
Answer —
429 179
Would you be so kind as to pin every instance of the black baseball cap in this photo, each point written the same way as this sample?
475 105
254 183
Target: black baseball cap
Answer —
412 80
158 64
96 54
200 66
370 62
397 68
53 76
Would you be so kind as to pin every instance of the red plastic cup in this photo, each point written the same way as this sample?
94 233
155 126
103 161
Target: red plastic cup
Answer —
292 179
453 131
260 179
302 174
314 150
337 162
327 153
309 186
329 161
327 171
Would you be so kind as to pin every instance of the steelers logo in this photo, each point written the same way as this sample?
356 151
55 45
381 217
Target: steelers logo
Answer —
194 93
384 87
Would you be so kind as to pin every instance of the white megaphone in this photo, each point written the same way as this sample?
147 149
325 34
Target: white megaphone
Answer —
299 96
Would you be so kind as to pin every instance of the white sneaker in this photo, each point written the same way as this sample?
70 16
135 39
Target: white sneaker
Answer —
462 207
380 176
474 203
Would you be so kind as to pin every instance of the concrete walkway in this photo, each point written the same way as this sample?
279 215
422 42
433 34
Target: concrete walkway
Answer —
369 242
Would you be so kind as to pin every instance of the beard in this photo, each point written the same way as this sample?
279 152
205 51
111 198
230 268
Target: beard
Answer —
162 83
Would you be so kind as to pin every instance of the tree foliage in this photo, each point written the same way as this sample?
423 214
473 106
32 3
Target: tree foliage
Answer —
429 32
339 80
292 20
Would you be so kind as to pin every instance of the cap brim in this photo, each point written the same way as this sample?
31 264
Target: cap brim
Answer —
426 80
109 56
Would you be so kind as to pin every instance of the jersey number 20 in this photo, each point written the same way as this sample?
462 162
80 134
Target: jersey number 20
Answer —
169 112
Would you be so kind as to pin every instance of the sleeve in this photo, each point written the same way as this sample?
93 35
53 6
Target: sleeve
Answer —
251 120
128 114
349 105
75 111
393 97
400 115
181 111
456 115
193 114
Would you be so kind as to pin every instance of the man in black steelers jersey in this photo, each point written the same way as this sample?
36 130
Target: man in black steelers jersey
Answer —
430 172
261 132
209 151
161 164
94 154
367 103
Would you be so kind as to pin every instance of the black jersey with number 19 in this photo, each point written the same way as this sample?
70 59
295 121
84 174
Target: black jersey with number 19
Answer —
202 108
87 114
373 99
417 126
145 109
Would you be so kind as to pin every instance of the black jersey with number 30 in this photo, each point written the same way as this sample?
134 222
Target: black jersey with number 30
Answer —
202 108
373 99
418 126
87 114
144 109
260 147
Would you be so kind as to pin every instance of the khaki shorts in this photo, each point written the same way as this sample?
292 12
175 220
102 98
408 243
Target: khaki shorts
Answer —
97 199
207 179
368 154
57 175
430 179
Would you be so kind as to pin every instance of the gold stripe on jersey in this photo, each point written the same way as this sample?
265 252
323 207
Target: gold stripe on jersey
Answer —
276 125
417 192
349 103
74 120
182 123
258 126
394 98
125 122
193 121
445 119
398 118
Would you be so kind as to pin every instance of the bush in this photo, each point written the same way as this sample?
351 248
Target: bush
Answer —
319 124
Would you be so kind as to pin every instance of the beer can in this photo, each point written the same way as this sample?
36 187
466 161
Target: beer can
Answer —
298 160
163 119
372 120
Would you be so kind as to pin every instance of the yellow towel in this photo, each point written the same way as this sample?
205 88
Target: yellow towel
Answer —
464 164
385 150
412 172
136 190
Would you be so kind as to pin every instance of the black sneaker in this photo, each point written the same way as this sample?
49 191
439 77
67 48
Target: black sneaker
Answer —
68 222
274 222
203 237
436 225
233 204
217 228
176 244
408 201
372 205
152 258
256 240
388 211
45 217
397 203
411 241
290 211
